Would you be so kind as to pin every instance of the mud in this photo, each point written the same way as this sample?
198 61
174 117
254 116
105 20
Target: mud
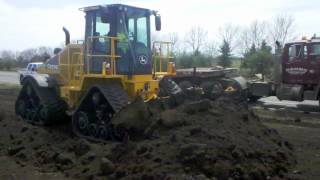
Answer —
204 139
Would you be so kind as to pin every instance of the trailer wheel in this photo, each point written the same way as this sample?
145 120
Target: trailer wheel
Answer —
21 78
253 99
184 85
212 90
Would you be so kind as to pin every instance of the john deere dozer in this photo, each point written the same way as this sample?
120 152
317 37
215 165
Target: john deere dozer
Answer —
93 81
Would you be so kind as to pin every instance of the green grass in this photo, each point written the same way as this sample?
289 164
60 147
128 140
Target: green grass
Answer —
236 63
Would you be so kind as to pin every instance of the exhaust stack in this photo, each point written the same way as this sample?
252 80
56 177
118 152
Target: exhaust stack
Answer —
67 34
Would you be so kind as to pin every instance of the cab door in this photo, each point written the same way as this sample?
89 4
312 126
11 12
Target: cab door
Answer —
314 58
295 64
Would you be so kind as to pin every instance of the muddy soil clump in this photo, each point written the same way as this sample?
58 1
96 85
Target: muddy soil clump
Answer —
197 140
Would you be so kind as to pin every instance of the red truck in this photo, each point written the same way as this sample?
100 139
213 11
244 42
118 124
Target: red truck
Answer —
296 75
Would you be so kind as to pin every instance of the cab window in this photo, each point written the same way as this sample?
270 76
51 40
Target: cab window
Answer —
297 52
98 26
315 50
142 33
131 29
101 29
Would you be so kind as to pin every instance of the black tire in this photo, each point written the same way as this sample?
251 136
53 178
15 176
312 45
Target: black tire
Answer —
184 85
39 105
212 90
21 79
92 119
253 99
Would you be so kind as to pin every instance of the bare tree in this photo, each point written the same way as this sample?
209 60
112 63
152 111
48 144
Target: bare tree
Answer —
174 39
196 39
212 49
253 35
6 54
45 50
7 59
282 28
229 33
27 55
35 54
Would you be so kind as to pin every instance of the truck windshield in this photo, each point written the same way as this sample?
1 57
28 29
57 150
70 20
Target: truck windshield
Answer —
296 51
315 50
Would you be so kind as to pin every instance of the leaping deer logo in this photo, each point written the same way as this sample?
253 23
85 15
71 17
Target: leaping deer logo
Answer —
142 59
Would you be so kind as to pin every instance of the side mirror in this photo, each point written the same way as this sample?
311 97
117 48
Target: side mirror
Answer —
158 22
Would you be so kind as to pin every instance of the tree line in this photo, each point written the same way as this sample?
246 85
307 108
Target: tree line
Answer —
252 44
10 59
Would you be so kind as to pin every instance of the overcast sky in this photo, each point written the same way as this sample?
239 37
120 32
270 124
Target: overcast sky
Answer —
26 24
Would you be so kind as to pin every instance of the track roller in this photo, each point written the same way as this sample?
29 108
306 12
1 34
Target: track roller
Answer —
39 105
93 118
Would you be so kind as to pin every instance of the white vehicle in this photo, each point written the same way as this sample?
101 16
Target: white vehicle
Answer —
31 69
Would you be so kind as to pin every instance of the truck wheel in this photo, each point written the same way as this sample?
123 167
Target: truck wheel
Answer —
184 85
212 90
21 78
253 99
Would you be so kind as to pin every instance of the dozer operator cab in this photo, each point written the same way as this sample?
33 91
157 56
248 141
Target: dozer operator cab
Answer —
118 37
99 80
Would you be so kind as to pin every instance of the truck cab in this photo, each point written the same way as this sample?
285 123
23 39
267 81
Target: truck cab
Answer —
31 68
300 71
301 62
296 73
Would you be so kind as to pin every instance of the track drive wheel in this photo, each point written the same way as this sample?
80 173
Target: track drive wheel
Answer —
93 118
39 105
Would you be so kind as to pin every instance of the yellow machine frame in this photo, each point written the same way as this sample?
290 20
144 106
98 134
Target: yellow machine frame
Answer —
162 55
74 81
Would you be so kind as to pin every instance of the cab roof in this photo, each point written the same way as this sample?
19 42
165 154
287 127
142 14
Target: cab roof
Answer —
36 63
93 8
304 40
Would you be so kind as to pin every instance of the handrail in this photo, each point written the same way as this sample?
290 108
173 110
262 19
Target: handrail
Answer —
113 57
161 55
96 55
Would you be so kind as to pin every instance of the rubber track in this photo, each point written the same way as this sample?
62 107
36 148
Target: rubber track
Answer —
116 97
50 100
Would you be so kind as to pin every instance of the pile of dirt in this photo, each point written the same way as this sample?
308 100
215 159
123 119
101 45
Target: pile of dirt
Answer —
202 139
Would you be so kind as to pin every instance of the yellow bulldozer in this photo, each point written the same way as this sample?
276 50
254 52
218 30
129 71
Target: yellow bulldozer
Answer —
93 80
115 66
